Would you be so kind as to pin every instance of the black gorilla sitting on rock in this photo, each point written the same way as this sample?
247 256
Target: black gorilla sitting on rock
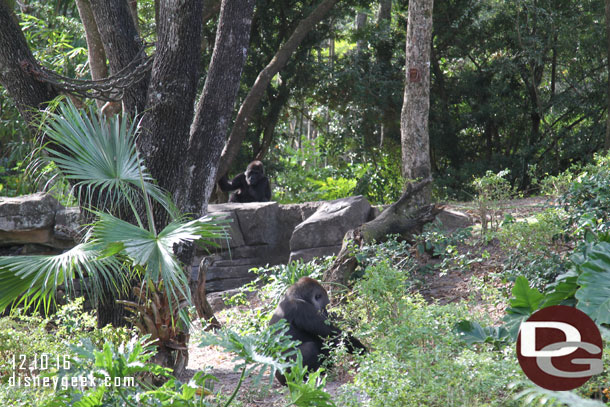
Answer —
304 308
250 186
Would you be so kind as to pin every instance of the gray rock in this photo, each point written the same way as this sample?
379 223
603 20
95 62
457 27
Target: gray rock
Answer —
235 238
306 255
28 212
258 223
328 225
452 220
67 224
257 220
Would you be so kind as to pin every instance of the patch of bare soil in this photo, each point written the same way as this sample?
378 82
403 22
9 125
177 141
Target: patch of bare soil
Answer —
454 286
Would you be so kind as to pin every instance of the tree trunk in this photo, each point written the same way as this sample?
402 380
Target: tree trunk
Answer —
16 68
277 104
399 218
122 45
416 104
385 11
203 307
95 47
360 24
240 126
215 105
607 140
171 95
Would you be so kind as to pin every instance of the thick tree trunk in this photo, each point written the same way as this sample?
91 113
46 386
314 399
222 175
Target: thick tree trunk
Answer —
607 140
171 95
122 45
399 218
240 126
16 63
95 47
215 105
385 11
416 104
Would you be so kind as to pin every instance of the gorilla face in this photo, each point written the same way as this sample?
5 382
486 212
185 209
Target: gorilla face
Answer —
320 300
254 173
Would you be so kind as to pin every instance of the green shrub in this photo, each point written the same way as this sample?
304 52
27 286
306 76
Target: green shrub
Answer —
492 192
418 359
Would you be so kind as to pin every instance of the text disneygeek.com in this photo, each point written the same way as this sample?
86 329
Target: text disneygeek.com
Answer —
29 371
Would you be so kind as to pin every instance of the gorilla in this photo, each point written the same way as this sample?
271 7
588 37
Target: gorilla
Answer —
251 185
304 308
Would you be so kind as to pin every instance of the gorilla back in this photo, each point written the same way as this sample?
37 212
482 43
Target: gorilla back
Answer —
304 308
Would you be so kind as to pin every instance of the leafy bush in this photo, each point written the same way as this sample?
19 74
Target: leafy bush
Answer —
418 357
531 247
492 190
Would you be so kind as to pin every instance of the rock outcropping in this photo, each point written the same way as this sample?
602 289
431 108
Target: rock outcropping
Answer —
260 234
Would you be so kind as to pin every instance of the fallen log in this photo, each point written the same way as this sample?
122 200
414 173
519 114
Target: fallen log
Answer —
403 218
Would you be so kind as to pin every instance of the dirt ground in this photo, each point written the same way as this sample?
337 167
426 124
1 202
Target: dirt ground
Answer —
451 287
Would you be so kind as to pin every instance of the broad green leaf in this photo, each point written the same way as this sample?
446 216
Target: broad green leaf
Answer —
473 332
524 296
594 293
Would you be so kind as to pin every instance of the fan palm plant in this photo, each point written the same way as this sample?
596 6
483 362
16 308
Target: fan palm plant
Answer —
101 161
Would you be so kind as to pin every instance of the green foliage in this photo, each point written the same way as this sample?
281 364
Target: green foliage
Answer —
307 388
537 396
117 377
71 320
417 351
393 251
298 175
472 332
588 199
531 247
102 160
492 192
266 351
593 294
271 350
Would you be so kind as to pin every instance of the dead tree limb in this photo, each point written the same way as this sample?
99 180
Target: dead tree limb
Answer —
401 218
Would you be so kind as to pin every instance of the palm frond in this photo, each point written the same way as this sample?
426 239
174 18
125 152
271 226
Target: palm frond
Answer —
154 252
100 157
34 280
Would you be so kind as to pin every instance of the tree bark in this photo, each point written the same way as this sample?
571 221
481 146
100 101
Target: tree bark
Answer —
607 13
416 104
171 95
385 11
215 105
95 47
122 45
16 64
360 24
277 104
240 126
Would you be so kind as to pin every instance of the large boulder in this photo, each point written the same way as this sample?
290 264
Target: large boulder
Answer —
324 230
27 219
452 219
257 220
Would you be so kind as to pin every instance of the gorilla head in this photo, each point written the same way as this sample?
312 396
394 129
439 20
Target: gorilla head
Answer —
249 186
304 308
255 172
